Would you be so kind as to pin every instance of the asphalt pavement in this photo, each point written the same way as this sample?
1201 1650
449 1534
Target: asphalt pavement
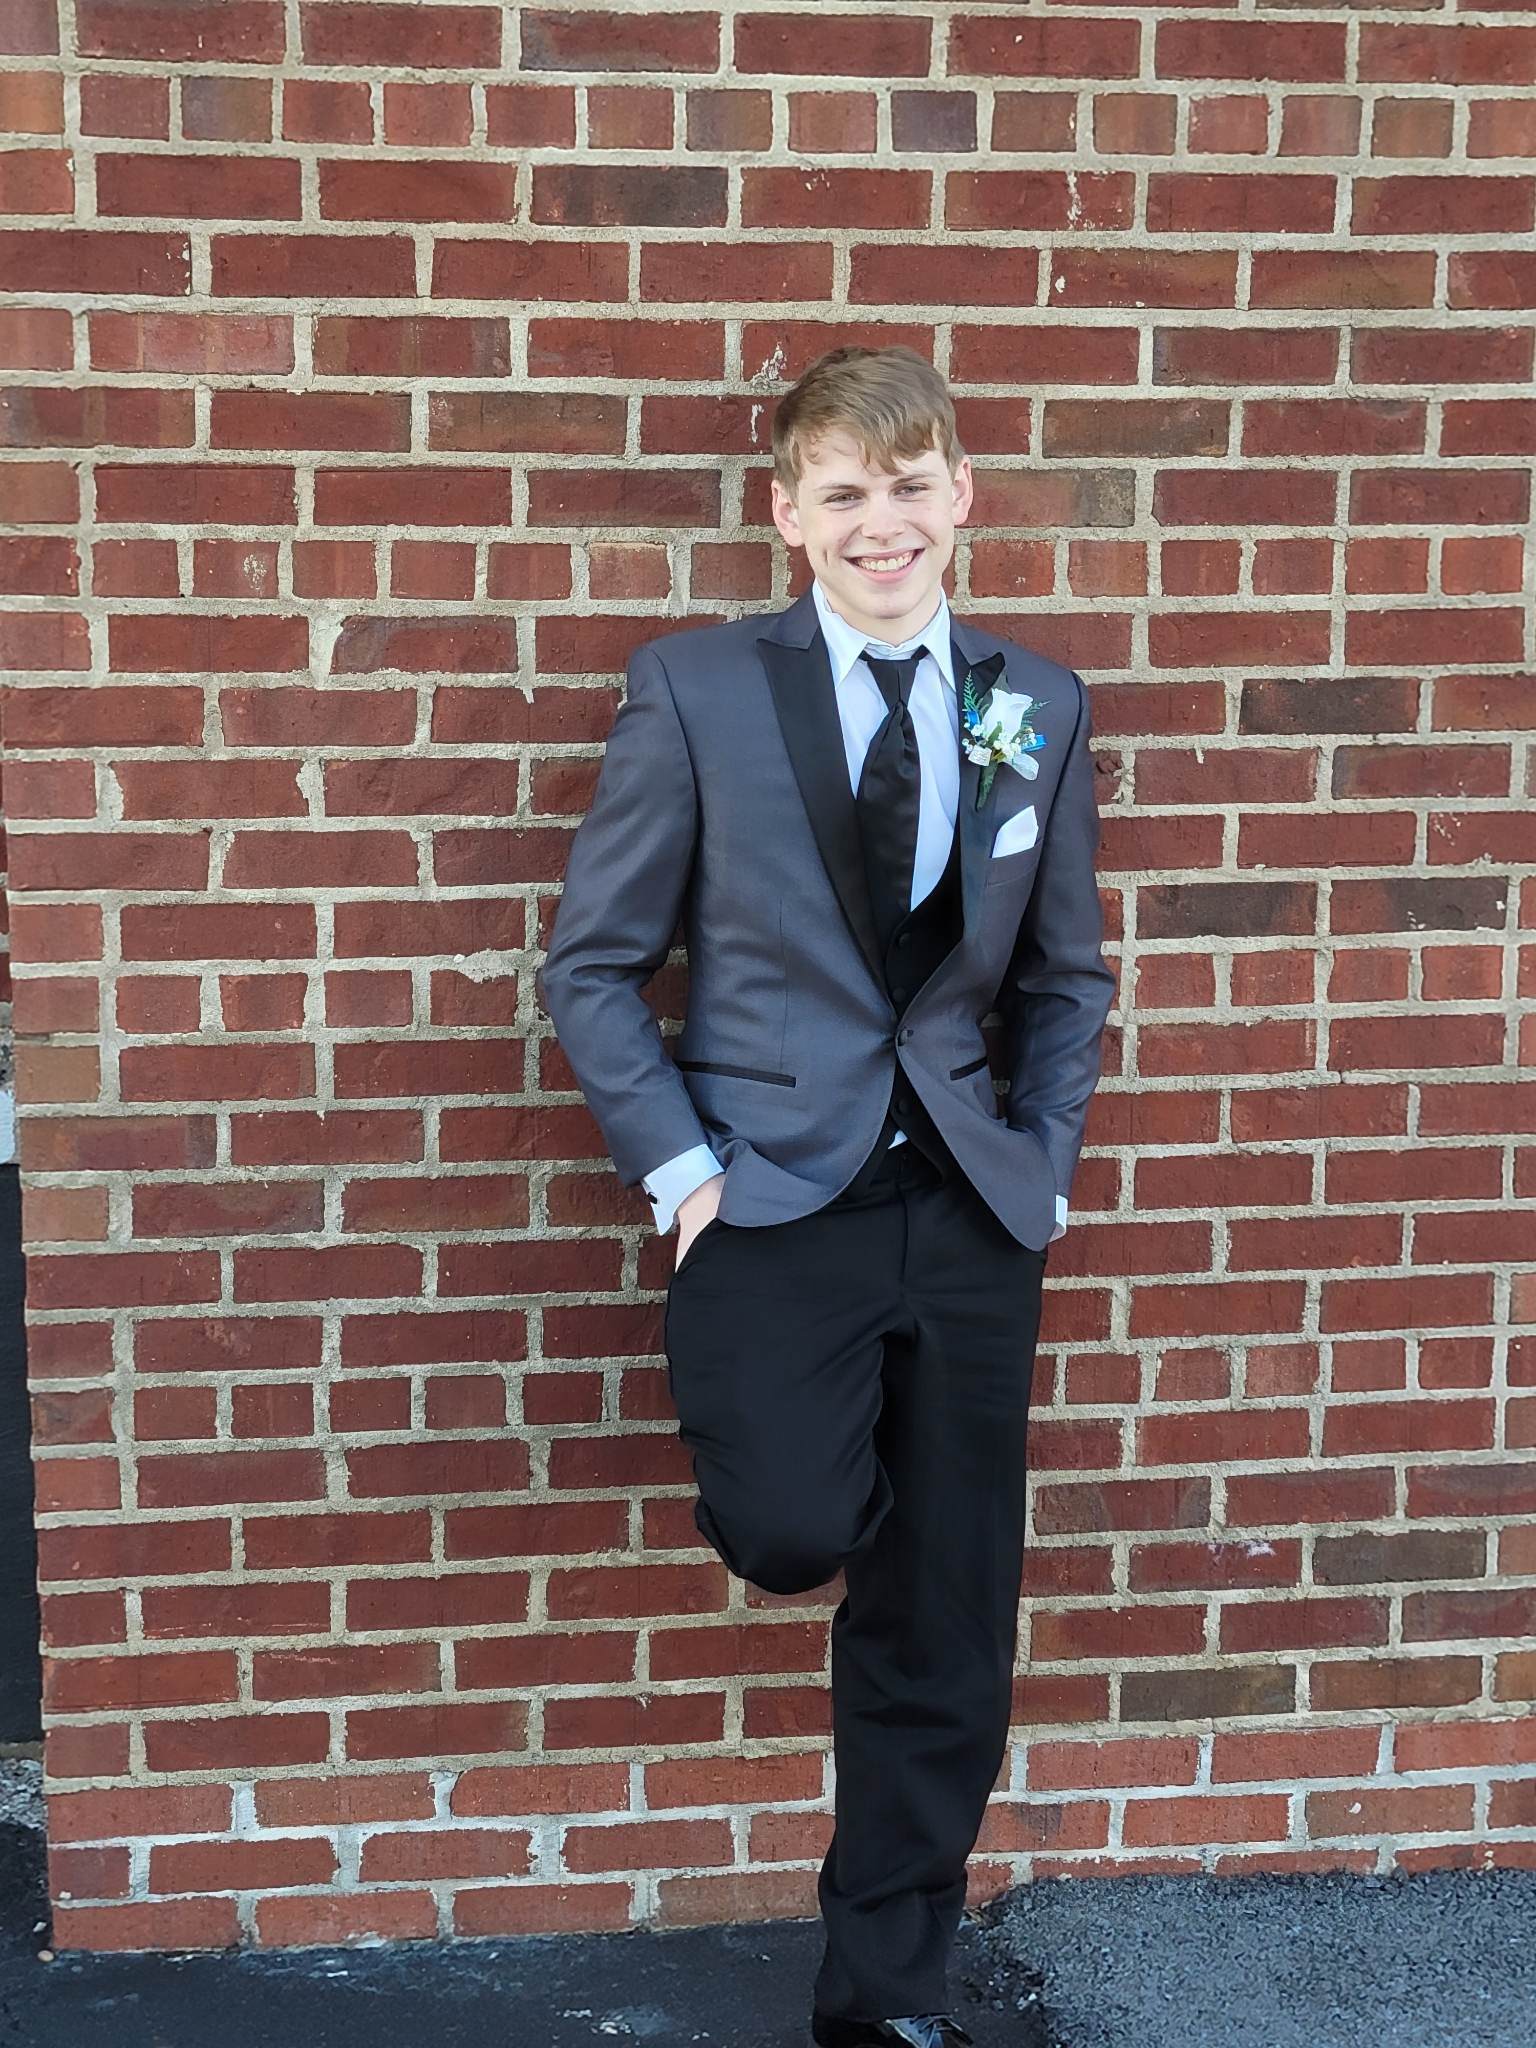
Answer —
1443 1959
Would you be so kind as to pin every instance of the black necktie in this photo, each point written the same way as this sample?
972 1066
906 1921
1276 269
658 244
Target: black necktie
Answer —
887 797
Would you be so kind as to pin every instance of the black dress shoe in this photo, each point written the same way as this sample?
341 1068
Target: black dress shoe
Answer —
920 2030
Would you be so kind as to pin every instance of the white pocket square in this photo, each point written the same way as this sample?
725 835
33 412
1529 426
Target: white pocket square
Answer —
1019 832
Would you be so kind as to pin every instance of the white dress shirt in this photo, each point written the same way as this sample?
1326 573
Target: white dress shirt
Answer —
861 709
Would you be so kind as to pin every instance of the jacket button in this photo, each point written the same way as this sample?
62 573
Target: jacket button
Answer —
903 938
903 1034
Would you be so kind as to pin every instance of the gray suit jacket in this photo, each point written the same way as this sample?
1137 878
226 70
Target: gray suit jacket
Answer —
724 800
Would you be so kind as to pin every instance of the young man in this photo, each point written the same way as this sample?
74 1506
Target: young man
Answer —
865 871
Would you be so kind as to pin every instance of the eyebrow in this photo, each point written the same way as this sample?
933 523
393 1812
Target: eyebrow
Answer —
910 476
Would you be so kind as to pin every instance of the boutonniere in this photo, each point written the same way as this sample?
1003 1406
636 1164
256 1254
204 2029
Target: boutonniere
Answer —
998 732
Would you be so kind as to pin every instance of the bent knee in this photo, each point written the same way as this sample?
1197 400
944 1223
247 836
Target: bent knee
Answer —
788 1546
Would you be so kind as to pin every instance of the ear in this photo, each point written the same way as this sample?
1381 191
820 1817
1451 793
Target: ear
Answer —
964 489
785 517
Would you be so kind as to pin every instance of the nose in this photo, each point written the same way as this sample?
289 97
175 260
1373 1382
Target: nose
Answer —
883 521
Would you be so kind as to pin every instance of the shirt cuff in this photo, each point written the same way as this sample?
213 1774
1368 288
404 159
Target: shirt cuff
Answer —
675 1180
1061 1220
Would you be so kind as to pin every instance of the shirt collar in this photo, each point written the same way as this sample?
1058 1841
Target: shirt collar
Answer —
845 644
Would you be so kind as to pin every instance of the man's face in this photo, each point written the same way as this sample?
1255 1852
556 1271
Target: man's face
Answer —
879 542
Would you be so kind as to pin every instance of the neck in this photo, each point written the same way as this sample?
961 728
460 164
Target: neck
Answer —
889 632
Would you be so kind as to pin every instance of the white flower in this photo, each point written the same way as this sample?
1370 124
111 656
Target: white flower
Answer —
998 734
1009 711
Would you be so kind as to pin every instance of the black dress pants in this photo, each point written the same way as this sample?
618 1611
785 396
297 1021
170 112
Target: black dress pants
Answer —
854 1389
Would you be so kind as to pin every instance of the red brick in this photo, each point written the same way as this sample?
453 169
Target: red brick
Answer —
728 119
734 271
454 1728
54 417
1113 277
222 1073
362 188
628 195
1452 55
1001 46
313 266
237 1742
230 343
390 1856
125 860
1214 203
593 39
194 931
39 566
202 187
36 181
1493 279
124 105
585 270
530 116
211 1866
178 643
1404 205
407 496
127 1811
44 640
360 346
528 422
327 110
428 116
232 568
830 45
87 260
1285 52
146 1679
30 28
836 198
32 103
153 1924
226 109
667 349
310 419
333 568
633 497
188 31
396 35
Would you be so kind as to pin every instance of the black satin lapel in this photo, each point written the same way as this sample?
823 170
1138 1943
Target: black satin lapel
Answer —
975 827
805 699
976 832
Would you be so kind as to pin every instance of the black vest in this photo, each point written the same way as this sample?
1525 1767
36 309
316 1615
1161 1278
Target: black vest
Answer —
921 940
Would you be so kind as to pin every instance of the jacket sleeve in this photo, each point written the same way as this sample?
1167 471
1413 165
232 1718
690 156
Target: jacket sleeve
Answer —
625 880
1057 992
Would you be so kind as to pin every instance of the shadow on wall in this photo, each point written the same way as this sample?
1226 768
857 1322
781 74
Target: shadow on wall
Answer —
20 1680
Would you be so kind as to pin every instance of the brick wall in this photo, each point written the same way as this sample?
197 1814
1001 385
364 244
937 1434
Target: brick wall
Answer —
384 373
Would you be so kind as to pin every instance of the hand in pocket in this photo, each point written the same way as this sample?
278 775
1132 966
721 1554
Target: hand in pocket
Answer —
694 1211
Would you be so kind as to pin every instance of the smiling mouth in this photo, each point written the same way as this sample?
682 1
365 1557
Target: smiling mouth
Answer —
885 568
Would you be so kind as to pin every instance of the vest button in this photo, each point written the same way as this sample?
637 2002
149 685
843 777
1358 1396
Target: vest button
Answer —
899 995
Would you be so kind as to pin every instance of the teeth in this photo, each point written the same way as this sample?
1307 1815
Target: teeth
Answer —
887 561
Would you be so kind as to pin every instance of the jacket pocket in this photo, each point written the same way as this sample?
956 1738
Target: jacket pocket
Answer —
971 1067
736 1073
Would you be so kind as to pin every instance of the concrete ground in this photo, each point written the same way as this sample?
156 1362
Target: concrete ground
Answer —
1442 1960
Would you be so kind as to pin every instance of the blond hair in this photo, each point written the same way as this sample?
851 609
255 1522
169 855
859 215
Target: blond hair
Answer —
893 401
